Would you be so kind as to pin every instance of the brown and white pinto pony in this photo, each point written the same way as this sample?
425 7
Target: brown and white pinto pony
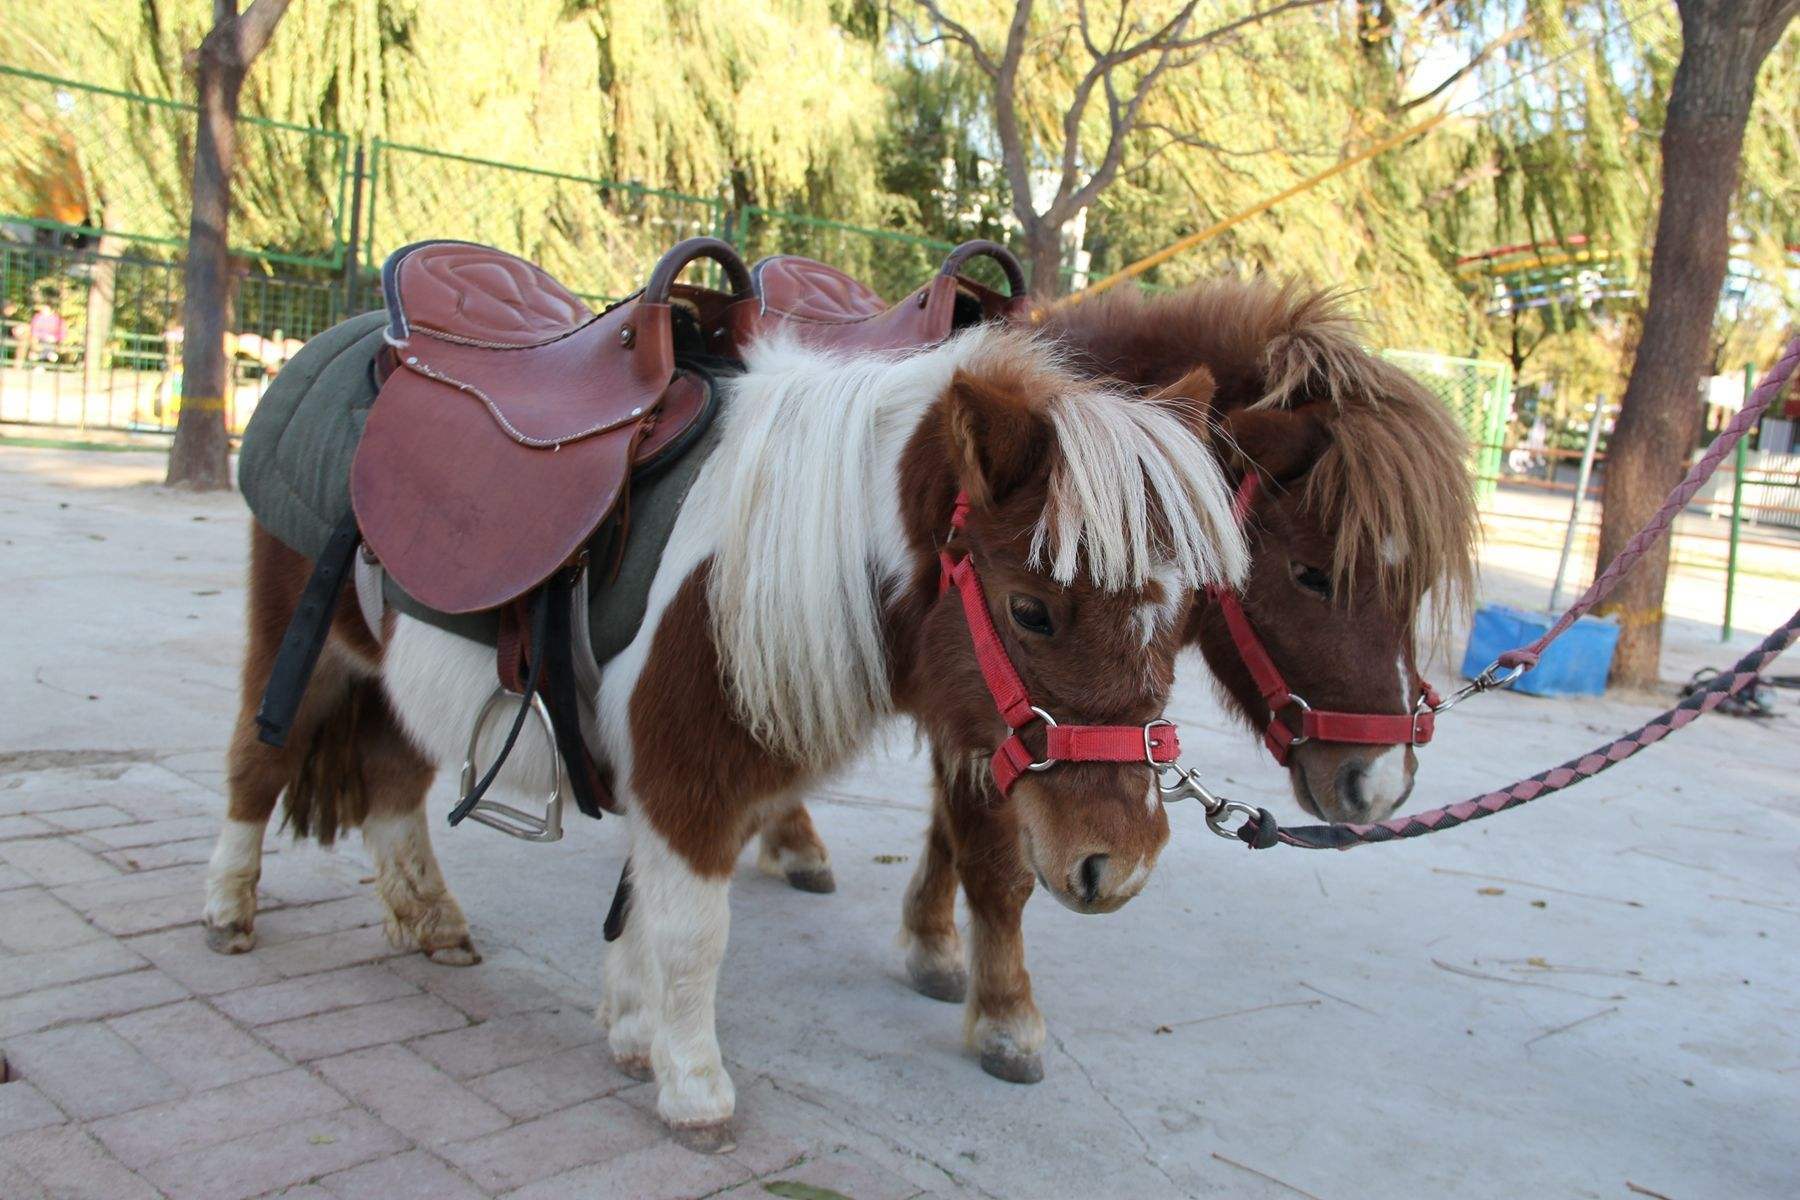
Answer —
796 605
1363 519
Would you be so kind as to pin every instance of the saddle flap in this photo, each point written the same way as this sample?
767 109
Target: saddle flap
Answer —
465 520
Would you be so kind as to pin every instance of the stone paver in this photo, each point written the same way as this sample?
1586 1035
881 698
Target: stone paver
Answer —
293 1153
411 1176
22 826
112 996
169 854
411 1095
224 1114
365 1025
72 964
32 920
327 952
65 1162
585 1135
661 1172
196 1046
182 954
56 861
507 1041
546 1084
89 1070
310 994
94 816
23 1107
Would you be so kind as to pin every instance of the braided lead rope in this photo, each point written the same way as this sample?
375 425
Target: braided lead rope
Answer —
1728 683
1771 386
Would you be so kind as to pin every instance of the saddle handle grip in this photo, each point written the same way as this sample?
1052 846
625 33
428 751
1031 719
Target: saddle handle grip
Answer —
982 248
670 265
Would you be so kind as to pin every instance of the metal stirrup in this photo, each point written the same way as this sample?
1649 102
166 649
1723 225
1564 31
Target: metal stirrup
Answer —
505 817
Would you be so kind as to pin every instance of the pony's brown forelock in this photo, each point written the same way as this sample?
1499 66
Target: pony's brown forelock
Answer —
1395 476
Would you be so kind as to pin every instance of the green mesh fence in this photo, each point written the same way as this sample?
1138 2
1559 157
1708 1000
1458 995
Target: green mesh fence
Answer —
95 163
598 236
1478 392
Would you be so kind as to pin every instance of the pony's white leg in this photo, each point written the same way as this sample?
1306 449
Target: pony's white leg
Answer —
420 908
625 1001
231 877
791 849
685 918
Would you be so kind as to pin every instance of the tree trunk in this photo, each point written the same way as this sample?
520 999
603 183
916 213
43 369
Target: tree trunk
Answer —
1044 259
103 280
200 457
1702 139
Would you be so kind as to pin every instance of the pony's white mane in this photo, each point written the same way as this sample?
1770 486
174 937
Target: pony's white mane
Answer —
804 494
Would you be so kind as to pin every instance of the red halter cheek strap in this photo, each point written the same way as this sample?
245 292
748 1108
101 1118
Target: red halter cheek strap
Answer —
1155 744
1368 729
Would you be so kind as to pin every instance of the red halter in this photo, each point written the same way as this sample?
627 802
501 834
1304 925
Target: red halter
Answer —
1155 744
1368 729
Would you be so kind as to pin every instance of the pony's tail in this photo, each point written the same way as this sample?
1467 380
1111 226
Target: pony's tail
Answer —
327 791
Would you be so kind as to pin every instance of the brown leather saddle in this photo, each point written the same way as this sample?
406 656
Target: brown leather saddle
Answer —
510 422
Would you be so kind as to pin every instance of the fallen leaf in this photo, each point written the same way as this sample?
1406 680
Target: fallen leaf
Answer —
1490 891
890 858
321 1139
1163 1029
801 1191
1536 961
1540 904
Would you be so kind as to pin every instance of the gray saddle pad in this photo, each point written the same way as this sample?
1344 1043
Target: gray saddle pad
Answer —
294 472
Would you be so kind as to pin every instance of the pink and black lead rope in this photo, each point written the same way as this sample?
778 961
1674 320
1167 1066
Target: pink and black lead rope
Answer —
1343 837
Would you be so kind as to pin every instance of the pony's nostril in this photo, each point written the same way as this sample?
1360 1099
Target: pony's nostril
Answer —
1089 873
1350 786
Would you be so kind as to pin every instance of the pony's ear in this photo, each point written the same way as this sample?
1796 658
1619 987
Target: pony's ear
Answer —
1193 393
997 441
1282 443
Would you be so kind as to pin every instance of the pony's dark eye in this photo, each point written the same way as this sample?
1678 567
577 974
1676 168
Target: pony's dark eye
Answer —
1030 614
1312 579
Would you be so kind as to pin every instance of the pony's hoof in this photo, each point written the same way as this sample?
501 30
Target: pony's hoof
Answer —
819 880
949 984
234 938
714 1138
637 1066
462 954
1013 1067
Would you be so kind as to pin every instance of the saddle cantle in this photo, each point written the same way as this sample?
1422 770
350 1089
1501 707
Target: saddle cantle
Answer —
512 417
823 306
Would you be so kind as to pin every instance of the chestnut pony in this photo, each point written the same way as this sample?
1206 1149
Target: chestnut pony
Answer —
1362 515
797 604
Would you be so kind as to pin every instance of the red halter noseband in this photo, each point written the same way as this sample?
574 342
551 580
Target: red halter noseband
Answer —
1155 744
1368 729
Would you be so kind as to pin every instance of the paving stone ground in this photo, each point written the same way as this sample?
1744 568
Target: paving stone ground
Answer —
1553 1003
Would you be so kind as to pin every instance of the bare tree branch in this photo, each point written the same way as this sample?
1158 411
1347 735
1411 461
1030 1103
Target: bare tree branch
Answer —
1501 42
255 26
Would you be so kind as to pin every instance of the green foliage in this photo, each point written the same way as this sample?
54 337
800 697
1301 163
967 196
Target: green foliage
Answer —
845 109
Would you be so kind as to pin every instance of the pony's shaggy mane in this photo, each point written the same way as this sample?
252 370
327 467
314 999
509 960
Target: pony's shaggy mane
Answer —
1395 478
803 492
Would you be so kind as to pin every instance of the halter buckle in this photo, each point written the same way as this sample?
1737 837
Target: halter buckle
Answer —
1049 722
1149 753
1299 738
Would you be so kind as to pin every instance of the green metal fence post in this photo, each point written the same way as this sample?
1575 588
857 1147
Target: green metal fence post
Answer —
1739 459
